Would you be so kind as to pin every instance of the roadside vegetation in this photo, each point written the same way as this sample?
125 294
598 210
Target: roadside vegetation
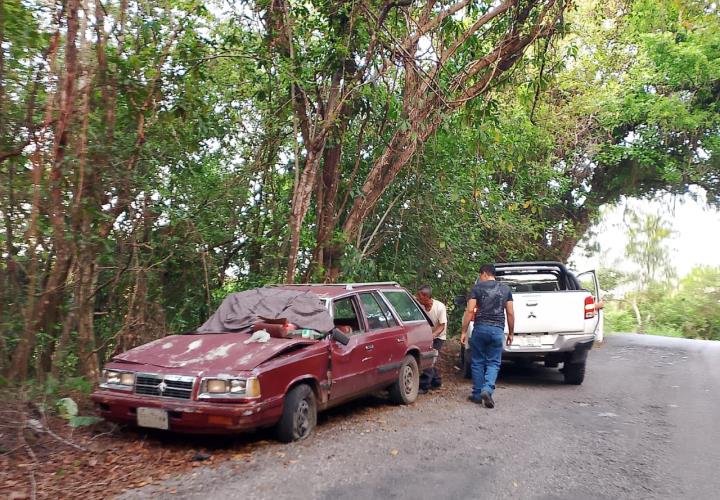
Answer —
155 157
689 308
644 294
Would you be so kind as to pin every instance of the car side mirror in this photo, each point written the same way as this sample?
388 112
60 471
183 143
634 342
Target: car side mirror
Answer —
339 336
460 301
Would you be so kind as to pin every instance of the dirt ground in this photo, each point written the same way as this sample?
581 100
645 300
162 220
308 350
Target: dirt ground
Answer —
41 456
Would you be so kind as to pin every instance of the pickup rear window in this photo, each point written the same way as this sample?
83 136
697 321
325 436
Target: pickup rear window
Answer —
533 283
543 277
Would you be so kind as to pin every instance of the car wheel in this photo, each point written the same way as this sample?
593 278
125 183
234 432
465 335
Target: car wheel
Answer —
405 389
574 373
467 364
299 415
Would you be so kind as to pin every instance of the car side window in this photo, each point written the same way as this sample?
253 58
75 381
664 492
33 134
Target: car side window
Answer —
375 316
346 317
404 306
385 309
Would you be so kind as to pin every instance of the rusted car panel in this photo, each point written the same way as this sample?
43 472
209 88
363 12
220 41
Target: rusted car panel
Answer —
171 376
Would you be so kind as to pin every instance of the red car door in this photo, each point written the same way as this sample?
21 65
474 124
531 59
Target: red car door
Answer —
385 339
350 364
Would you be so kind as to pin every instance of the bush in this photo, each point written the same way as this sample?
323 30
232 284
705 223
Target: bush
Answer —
618 319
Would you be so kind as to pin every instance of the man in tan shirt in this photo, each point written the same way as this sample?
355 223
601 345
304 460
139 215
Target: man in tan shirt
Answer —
437 312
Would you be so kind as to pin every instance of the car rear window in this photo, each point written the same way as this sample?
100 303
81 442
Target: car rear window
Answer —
388 313
375 316
404 306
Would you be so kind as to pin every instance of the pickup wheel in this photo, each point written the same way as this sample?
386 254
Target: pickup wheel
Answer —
574 373
405 389
299 415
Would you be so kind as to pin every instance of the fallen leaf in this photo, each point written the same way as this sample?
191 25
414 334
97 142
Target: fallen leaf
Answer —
394 453
281 454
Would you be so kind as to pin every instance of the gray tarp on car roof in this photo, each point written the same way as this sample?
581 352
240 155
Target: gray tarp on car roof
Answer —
239 311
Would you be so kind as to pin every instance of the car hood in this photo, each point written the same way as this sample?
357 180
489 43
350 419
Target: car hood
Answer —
216 351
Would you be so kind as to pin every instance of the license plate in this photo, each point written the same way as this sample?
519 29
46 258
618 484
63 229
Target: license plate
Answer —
534 341
527 341
152 417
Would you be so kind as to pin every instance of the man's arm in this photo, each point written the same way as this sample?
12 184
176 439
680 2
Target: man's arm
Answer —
510 313
469 313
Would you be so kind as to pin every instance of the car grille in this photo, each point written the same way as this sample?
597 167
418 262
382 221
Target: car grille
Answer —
168 386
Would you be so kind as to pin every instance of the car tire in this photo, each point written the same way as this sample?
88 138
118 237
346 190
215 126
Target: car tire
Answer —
299 415
405 389
574 373
467 365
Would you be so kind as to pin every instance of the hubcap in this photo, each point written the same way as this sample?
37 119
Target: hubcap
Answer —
408 380
302 419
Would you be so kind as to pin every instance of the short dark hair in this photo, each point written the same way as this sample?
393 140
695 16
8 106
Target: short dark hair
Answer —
487 269
426 288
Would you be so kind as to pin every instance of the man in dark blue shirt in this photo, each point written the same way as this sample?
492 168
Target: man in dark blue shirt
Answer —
489 303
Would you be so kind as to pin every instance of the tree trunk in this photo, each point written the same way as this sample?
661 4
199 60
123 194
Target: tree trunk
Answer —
638 316
302 194
85 297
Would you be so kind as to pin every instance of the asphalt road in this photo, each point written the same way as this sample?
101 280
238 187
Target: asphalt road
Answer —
645 424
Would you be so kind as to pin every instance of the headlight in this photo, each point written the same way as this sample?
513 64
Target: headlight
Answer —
215 386
118 379
230 387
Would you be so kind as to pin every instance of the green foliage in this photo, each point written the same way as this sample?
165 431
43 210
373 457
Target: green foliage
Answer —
647 249
625 103
691 309
67 408
618 319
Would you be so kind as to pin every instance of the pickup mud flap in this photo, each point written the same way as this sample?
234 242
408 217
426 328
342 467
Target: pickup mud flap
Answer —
579 355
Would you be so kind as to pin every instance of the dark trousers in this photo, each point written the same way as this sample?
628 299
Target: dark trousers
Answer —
430 377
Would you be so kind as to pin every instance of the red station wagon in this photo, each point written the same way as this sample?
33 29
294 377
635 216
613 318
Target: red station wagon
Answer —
220 382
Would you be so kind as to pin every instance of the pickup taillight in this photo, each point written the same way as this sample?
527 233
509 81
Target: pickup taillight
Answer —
589 307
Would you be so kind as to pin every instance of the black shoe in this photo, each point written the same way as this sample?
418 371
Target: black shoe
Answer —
422 390
435 387
473 400
487 399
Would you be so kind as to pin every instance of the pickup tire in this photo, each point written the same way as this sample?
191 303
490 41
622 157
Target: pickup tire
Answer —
299 415
574 373
404 390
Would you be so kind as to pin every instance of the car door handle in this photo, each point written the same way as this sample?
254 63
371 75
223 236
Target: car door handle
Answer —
530 304
400 340
369 347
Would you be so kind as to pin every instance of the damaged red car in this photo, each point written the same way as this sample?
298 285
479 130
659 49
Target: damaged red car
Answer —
273 357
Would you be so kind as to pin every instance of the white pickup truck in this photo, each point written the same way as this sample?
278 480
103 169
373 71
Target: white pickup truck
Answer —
556 318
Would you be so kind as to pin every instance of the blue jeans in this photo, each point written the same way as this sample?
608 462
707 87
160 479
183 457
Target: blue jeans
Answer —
486 347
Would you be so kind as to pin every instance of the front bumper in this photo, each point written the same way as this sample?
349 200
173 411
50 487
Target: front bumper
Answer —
188 416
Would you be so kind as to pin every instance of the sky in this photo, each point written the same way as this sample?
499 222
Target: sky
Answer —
696 240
